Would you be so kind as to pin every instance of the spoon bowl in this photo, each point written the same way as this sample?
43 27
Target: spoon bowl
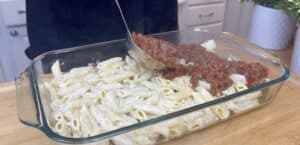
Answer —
136 52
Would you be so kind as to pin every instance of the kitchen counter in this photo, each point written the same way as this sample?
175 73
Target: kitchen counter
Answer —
278 123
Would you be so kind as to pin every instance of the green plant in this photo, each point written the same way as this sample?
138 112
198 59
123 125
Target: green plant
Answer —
290 7
266 3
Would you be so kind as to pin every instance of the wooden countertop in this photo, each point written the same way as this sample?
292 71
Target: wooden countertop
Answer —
278 123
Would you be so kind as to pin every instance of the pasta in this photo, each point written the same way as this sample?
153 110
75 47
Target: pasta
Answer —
87 101
210 45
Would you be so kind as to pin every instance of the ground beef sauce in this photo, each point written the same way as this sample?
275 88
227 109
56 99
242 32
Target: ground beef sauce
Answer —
206 65
162 50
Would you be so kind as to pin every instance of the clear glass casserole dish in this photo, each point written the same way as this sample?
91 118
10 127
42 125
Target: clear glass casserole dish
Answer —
34 100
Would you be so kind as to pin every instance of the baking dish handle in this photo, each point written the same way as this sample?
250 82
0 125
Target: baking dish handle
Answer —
28 106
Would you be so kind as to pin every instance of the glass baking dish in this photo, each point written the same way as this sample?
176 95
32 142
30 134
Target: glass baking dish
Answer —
34 100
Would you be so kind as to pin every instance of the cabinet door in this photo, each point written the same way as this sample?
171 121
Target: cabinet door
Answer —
183 15
238 17
19 42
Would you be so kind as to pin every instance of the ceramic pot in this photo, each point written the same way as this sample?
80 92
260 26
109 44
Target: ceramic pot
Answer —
271 28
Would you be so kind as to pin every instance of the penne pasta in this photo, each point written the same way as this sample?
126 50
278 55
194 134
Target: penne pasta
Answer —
55 68
88 101
62 128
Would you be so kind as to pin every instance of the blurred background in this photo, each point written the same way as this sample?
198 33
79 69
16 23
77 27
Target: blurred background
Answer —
217 15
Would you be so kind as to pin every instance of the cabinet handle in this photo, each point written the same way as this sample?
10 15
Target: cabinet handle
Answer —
21 11
14 33
206 15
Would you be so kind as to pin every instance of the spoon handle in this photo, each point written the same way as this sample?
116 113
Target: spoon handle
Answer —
123 18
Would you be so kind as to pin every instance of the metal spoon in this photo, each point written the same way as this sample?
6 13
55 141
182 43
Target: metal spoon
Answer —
136 52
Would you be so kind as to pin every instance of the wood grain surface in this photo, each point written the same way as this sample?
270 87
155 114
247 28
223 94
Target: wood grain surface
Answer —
277 123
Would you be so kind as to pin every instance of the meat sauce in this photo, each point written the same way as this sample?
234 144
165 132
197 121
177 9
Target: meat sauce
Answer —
206 65
161 50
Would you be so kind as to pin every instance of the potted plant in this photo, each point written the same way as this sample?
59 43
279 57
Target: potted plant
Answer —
270 27
292 8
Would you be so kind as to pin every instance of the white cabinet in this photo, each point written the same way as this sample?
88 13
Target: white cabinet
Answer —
13 12
13 57
13 38
19 42
238 17
207 14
